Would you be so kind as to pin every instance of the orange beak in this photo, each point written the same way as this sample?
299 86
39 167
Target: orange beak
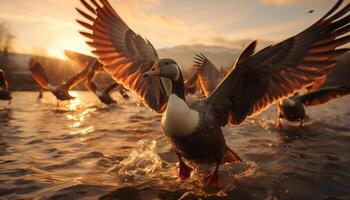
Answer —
154 71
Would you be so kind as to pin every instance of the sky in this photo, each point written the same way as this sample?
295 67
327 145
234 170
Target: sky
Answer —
50 25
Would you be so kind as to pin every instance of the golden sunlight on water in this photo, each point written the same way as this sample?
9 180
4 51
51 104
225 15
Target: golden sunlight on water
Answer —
87 149
78 117
74 104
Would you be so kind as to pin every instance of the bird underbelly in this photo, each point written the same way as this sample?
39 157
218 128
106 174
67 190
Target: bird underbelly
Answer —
294 114
201 148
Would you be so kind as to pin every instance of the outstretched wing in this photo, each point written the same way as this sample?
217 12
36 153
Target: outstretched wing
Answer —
324 95
81 59
74 80
124 54
3 82
112 87
209 76
278 71
38 73
191 84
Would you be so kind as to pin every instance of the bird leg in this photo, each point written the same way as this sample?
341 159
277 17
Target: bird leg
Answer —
212 179
185 170
301 123
279 124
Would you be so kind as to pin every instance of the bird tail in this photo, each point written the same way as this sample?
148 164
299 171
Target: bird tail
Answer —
39 73
230 157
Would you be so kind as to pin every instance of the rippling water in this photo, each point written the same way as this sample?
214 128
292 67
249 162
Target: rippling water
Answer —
84 150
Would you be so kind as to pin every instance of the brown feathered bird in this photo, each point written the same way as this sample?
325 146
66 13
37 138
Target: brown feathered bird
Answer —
257 81
93 67
293 109
5 93
61 92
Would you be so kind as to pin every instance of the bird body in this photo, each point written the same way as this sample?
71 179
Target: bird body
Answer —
291 109
61 92
257 81
5 93
193 130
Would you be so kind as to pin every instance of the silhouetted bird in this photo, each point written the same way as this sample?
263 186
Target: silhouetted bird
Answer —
5 93
61 91
293 109
93 67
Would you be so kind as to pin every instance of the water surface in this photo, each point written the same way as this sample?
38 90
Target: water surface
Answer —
84 150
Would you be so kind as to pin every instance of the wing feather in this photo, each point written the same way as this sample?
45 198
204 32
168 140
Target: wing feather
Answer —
324 95
280 70
124 54
209 76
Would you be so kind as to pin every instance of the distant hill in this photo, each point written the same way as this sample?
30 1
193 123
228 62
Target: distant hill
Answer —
220 56
60 70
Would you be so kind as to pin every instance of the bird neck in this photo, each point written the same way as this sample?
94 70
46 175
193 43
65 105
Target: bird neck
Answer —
178 88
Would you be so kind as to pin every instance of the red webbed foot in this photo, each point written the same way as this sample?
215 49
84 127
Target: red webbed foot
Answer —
212 180
185 170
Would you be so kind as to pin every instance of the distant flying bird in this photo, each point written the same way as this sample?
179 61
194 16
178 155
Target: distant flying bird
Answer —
61 91
5 93
257 81
93 67
293 109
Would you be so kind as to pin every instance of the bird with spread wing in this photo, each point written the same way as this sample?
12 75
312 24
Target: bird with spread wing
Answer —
61 92
91 66
258 79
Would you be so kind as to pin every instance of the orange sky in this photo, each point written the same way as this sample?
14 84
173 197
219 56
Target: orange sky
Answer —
50 25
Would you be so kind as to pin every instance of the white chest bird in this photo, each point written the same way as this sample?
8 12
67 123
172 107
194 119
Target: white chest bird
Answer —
257 81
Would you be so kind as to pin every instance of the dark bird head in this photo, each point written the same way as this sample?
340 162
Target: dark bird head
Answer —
166 68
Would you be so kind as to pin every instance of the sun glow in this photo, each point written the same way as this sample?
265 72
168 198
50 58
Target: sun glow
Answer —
57 54
75 103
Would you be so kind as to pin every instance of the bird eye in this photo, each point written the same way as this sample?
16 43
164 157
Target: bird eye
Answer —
167 63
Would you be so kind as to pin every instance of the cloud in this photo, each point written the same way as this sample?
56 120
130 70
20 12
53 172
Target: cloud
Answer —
293 2
51 25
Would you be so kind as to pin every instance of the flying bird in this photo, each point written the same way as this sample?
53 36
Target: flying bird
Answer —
257 80
93 67
61 92
293 109
5 93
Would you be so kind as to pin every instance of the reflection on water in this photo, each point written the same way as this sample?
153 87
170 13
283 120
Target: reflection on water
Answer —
83 149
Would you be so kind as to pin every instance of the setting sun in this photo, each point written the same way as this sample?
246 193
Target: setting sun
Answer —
57 54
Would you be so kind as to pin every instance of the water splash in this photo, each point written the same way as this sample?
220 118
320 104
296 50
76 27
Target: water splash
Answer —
144 160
